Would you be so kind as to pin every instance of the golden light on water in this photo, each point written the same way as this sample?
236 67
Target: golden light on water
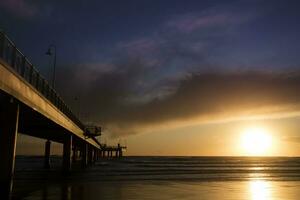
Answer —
256 141
260 190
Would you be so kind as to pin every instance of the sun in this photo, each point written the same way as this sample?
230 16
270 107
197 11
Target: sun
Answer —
256 141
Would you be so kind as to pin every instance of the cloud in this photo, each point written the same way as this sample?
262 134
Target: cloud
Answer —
166 79
215 17
218 96
21 8
112 98
140 45
190 41
192 22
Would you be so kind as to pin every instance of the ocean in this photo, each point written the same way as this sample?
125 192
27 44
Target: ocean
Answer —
253 178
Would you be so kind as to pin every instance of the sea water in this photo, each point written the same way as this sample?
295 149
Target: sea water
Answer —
253 178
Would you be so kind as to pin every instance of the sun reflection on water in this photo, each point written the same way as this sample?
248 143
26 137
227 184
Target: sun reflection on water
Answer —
260 190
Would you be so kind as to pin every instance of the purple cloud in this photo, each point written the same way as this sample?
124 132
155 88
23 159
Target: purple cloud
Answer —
191 23
140 46
21 8
208 19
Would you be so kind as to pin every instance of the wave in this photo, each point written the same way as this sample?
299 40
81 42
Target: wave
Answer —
180 168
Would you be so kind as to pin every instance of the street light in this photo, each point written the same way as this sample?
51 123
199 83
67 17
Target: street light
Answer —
48 142
50 53
77 99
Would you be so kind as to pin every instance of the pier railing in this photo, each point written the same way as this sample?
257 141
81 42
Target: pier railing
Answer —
22 66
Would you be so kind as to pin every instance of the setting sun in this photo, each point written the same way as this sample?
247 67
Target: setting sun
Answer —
256 141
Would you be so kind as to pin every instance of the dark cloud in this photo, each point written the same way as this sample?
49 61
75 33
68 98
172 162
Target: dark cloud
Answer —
209 96
112 97
21 8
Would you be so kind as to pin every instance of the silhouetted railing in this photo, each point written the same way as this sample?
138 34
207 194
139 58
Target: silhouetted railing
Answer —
21 65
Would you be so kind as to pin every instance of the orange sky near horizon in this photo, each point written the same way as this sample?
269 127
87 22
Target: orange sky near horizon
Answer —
211 139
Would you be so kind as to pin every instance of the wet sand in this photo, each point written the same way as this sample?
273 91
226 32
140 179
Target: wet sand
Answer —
190 190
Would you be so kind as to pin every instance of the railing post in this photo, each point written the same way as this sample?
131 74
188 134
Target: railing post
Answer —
43 86
2 38
37 81
13 58
30 73
47 91
23 67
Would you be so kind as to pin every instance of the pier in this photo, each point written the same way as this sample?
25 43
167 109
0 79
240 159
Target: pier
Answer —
29 105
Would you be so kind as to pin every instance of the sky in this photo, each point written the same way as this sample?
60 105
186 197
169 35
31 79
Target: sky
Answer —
169 77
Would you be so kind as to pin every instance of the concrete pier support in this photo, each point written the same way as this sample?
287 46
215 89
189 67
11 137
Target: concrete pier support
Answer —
97 154
120 153
84 159
47 154
90 155
74 155
9 116
67 150
94 155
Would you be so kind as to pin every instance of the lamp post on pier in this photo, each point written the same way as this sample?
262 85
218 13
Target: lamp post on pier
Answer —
51 51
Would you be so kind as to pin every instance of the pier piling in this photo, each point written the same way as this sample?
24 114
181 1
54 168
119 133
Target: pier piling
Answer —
84 159
90 154
9 117
74 155
67 150
47 154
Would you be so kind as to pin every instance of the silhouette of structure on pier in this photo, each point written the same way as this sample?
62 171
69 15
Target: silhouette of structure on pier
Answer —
29 105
